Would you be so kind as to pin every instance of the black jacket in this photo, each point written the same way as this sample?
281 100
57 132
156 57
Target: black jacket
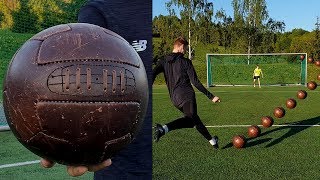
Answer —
179 73
133 21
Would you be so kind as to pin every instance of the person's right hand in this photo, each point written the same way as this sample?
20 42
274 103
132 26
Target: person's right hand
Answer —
216 99
78 170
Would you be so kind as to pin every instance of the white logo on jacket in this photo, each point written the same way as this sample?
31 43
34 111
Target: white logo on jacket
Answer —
139 45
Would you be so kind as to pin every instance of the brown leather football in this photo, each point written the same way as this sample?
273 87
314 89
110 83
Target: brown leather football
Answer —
75 94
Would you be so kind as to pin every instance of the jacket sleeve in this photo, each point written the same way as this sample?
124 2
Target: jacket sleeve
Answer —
90 14
195 81
157 70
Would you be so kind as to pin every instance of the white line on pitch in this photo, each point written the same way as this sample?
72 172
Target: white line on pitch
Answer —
19 164
160 93
279 125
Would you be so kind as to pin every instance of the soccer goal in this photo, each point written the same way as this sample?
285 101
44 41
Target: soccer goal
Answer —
21 19
279 69
3 123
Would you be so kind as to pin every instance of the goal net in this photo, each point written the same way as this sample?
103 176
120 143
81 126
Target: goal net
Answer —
280 69
3 122
21 19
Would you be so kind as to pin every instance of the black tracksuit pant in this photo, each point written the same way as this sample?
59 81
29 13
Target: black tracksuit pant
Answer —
190 119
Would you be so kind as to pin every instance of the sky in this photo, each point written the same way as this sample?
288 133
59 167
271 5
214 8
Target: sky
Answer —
294 13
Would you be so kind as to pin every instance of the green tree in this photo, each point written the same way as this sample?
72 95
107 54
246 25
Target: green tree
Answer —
224 28
167 28
302 41
6 8
271 32
283 43
316 53
203 23
24 19
32 16
250 16
1 16
54 12
191 10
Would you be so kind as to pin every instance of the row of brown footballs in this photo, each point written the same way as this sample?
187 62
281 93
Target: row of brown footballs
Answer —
254 131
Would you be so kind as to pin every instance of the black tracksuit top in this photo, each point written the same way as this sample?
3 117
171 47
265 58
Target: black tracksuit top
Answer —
179 73
133 21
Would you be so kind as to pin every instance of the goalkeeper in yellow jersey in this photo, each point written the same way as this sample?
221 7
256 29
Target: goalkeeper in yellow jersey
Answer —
256 75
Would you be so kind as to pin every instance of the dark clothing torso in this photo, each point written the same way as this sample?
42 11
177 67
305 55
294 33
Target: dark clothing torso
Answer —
179 73
133 21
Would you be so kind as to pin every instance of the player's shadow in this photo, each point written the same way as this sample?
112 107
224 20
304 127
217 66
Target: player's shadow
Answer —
294 128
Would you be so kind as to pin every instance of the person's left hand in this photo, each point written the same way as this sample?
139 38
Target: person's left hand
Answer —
78 170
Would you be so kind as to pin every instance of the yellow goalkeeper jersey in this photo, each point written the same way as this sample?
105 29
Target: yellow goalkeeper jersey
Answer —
257 72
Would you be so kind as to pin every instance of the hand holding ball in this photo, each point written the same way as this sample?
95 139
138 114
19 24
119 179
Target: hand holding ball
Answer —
75 94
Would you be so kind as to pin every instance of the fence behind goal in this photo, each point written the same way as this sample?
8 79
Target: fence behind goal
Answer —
3 122
237 69
21 19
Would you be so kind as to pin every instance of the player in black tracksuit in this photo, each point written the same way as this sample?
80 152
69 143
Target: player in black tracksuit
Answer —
179 73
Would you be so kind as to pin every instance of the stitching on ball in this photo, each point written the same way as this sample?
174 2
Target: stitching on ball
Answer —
88 102
85 60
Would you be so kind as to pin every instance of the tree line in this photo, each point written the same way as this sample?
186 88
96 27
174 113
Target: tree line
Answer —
32 16
250 30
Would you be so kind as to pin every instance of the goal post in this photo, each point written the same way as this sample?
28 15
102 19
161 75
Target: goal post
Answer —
280 69
3 123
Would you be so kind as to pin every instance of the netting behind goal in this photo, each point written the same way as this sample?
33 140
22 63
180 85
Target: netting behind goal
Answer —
3 122
237 69
21 19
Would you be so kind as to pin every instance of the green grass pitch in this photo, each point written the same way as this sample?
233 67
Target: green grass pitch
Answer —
281 152
11 152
